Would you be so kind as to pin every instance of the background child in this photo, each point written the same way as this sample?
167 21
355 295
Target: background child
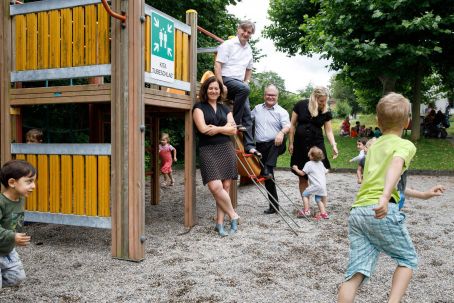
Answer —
362 161
18 178
165 154
34 136
369 234
316 172
360 144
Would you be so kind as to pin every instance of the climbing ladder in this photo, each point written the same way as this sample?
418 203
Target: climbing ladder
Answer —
250 166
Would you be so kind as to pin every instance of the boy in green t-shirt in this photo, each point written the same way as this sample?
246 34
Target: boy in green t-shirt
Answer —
375 223
18 178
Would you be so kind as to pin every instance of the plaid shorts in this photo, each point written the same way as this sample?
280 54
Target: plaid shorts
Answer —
369 236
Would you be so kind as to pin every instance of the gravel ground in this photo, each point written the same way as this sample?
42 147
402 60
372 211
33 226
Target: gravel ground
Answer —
264 262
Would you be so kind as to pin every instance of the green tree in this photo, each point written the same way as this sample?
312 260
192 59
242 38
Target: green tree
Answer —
393 41
342 90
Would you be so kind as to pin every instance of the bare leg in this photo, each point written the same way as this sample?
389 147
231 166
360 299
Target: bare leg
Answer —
324 201
171 179
321 207
401 279
222 198
306 203
347 291
302 184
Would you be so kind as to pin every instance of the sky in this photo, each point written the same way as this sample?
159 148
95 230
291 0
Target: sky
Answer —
297 71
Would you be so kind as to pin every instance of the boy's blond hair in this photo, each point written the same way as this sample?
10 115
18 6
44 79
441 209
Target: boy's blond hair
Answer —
393 112
316 154
165 136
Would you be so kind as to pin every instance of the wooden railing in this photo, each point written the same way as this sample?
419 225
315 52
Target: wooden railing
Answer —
56 39
66 37
72 179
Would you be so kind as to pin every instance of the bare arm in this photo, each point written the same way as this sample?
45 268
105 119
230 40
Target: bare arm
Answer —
329 134
280 136
218 74
291 133
211 130
436 190
247 75
174 154
392 177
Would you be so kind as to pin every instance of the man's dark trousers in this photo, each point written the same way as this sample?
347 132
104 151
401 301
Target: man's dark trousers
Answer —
270 152
238 92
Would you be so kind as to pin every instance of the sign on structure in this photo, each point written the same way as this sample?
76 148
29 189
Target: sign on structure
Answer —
162 48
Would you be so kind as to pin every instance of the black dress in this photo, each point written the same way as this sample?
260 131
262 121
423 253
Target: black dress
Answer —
217 157
308 133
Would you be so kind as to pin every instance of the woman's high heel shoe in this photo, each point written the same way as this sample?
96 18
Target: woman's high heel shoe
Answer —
220 229
233 226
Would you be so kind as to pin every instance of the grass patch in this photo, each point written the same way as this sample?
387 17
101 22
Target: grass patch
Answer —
431 154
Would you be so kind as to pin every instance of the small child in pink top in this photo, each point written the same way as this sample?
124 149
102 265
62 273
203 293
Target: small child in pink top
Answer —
167 153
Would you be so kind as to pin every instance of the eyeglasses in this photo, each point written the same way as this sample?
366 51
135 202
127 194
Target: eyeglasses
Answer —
271 95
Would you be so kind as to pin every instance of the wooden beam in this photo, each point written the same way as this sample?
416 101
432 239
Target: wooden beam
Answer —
93 93
190 215
128 194
5 70
155 172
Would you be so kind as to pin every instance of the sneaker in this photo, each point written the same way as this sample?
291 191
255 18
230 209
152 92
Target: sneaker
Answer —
324 216
317 217
303 213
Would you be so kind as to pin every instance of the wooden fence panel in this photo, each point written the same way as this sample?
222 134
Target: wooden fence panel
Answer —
32 43
178 54
103 35
54 183
185 58
91 185
103 186
78 169
21 43
67 38
43 40
32 199
66 184
54 39
79 36
43 183
90 35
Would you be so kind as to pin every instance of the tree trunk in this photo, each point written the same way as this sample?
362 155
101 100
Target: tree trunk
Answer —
416 104
388 84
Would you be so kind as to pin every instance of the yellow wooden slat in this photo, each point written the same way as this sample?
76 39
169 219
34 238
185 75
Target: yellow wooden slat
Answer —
66 184
78 38
54 183
54 38
43 183
32 198
32 43
103 35
90 35
43 40
19 157
185 58
91 185
78 168
66 38
104 186
178 54
147 44
21 42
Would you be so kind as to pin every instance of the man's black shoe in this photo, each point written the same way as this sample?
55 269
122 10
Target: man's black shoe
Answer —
266 173
269 211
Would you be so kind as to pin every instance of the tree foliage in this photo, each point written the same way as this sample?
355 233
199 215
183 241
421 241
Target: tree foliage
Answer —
396 42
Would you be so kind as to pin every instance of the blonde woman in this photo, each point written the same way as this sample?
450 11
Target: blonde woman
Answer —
308 119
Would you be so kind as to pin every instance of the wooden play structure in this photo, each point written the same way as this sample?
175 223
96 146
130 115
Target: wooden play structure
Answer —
98 184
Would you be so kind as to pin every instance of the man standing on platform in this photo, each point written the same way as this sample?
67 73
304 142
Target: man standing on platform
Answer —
272 123
233 68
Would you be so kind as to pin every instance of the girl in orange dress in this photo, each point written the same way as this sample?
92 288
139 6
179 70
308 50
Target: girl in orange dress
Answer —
167 153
